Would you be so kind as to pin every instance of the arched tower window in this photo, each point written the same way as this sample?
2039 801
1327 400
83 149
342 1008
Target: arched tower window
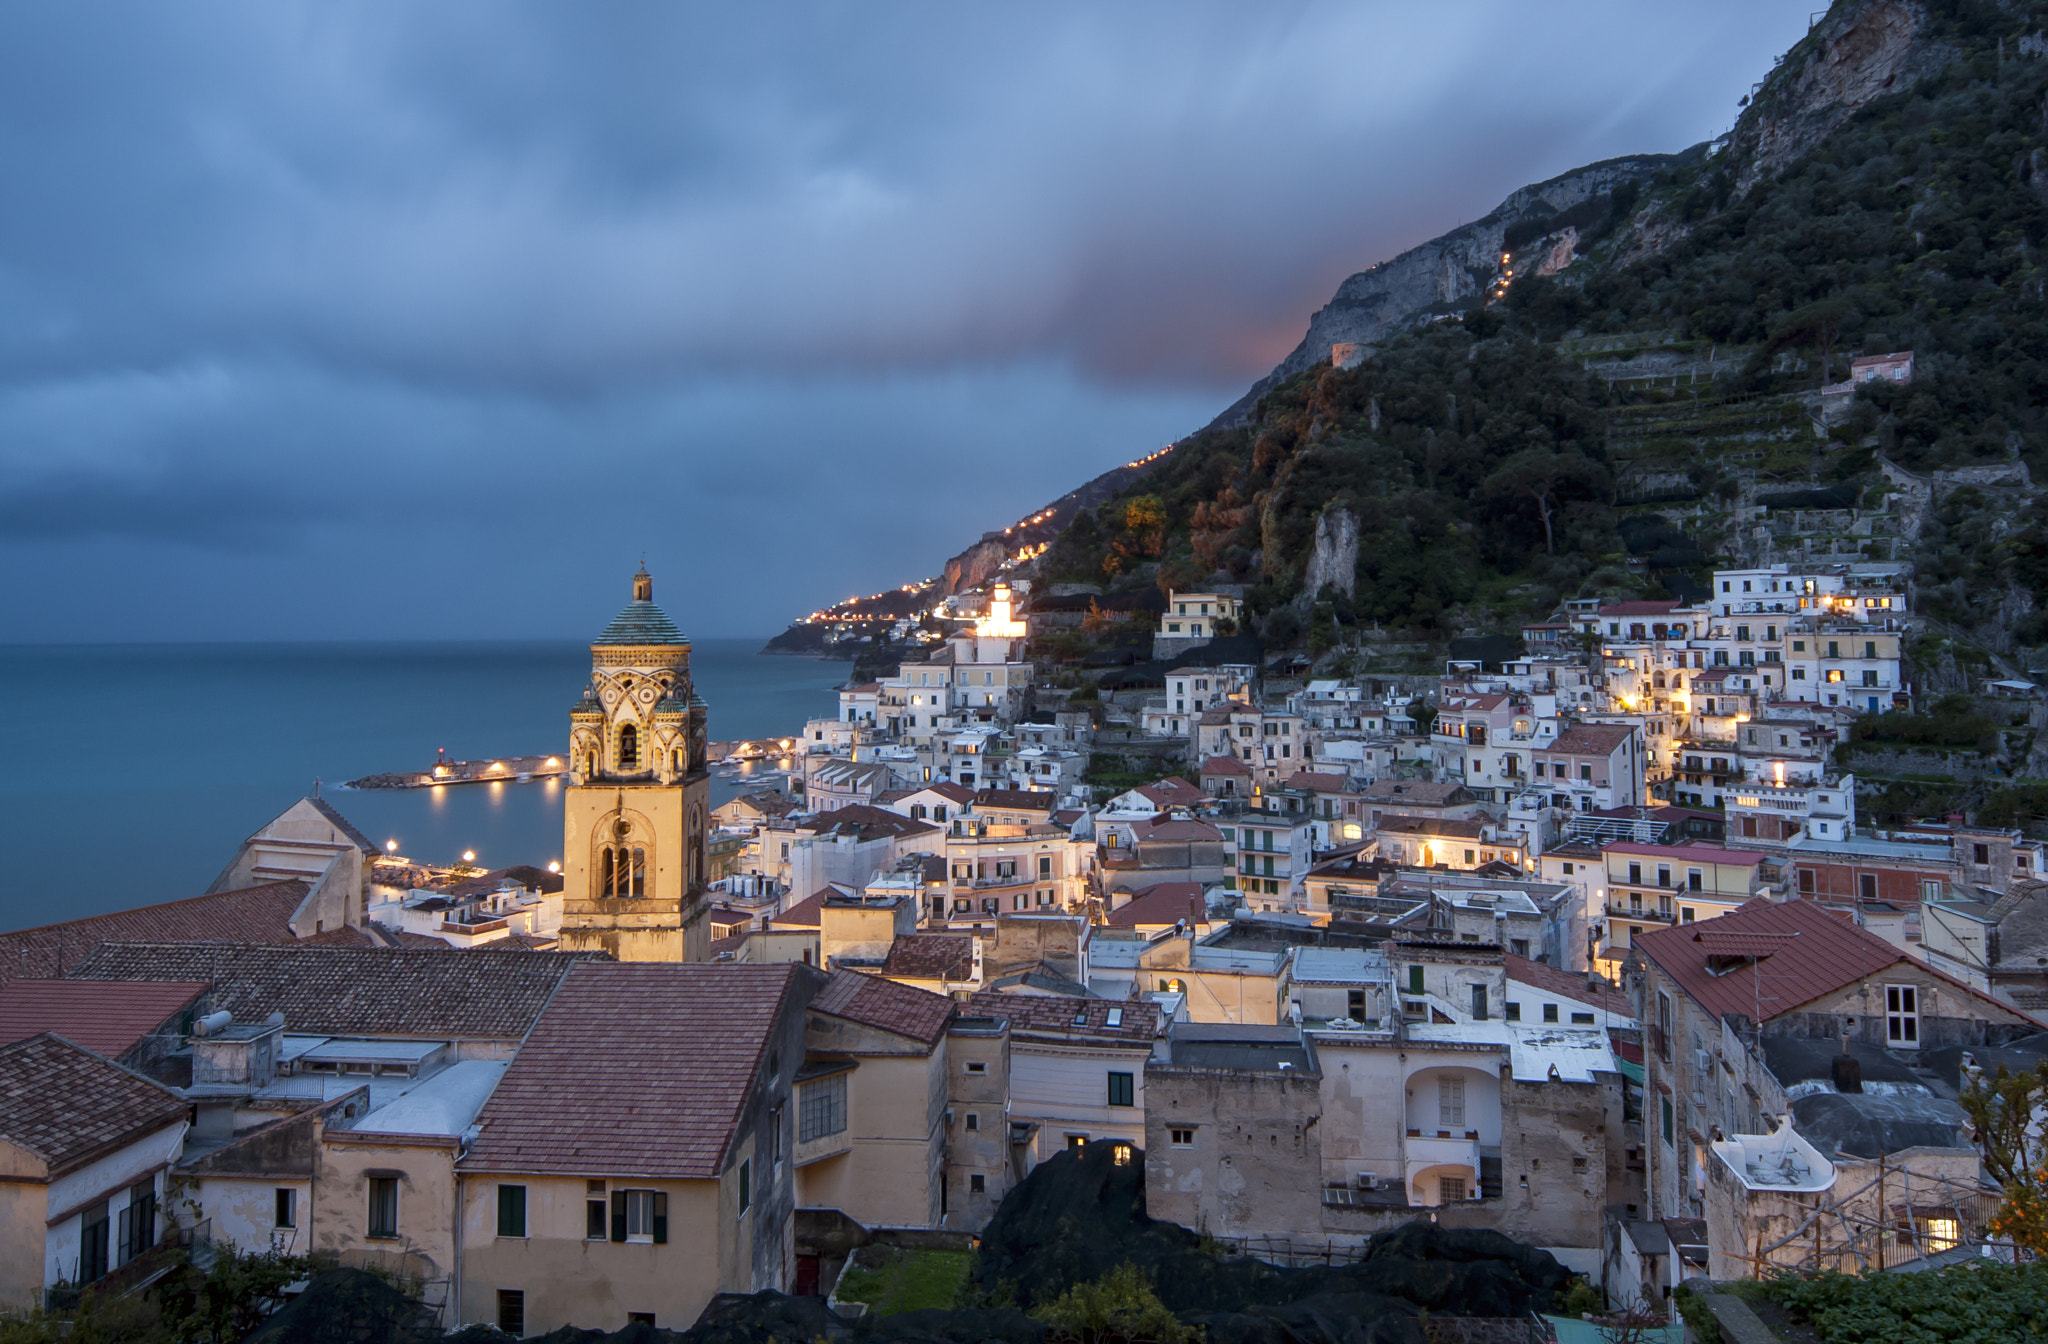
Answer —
629 748
696 846
638 884
607 875
676 760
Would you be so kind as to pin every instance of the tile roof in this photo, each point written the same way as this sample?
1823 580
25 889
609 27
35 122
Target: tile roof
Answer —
476 994
1463 830
867 823
67 1105
248 915
1225 765
641 623
930 956
1162 903
1177 830
1566 985
1055 1016
1173 791
106 1018
1319 781
804 914
1588 739
1805 952
946 788
885 1005
1016 800
638 1069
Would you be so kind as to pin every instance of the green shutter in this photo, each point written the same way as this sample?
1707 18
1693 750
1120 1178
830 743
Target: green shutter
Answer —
618 1215
660 1218
511 1210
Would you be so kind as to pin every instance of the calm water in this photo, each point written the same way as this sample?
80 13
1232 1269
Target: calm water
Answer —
132 772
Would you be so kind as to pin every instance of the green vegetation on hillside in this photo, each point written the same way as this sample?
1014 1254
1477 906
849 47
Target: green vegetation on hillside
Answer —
1966 1304
1490 470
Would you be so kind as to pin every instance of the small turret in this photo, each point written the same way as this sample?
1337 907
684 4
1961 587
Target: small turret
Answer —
643 586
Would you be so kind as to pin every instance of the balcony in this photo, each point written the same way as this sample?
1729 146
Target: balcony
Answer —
1647 916
824 1146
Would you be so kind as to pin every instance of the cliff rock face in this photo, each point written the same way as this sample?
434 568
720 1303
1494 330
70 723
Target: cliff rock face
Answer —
1334 561
1446 274
1857 53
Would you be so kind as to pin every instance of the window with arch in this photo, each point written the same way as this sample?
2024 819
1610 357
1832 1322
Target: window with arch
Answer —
621 871
675 763
696 845
629 748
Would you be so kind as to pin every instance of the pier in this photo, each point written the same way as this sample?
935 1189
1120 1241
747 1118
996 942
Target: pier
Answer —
498 770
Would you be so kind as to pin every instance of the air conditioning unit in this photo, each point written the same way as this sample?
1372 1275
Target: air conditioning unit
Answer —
1702 1062
1368 1180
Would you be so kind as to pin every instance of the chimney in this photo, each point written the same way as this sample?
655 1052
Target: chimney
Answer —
1848 1073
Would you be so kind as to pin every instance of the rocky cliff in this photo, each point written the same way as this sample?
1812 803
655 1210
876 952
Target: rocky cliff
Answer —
1449 273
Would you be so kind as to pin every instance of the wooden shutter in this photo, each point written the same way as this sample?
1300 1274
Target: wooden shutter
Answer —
618 1215
660 1217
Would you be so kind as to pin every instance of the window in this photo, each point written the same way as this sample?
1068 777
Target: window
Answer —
639 1318
1980 854
1415 980
1519 946
1512 1011
1120 1090
977 1066
511 1210
821 1107
1665 1103
1902 1016
1586 773
287 1211
629 748
1450 1103
1635 874
594 1211
1182 1138
1076 1142
1550 1012
383 1221
1120 1153
977 1184
1582 1019
973 1121
1045 865
1806 880
1479 1003
92 1243
1866 884
512 1311
746 1186
138 1221
1450 1189
642 1215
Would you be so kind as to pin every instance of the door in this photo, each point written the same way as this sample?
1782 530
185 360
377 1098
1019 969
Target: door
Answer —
806 1276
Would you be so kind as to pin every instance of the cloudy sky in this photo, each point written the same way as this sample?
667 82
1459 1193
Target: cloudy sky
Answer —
361 320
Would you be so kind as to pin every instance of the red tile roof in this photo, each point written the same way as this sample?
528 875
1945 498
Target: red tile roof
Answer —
1225 765
1566 985
1173 791
885 1005
637 1070
106 1017
67 1105
804 914
1175 830
1162 904
249 915
1016 800
1588 739
930 956
1807 952
1054 1016
1319 782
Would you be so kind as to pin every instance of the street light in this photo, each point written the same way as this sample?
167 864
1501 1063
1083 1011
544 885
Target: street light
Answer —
469 856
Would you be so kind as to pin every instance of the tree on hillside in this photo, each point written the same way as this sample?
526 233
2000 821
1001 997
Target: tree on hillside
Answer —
2004 1113
1818 323
1541 476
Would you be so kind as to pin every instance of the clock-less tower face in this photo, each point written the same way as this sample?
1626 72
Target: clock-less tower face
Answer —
637 807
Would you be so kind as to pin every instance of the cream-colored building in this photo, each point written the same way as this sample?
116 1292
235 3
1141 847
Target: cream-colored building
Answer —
1194 615
638 1157
871 1106
635 811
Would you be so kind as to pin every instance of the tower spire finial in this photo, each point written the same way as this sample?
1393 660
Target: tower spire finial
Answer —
643 585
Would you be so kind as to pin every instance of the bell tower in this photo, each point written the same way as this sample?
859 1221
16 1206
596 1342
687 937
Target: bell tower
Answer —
637 806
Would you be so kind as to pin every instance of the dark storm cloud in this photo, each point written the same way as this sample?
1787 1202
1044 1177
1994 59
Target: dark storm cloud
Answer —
713 282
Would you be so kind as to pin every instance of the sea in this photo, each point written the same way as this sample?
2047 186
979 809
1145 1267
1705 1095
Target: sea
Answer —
132 772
